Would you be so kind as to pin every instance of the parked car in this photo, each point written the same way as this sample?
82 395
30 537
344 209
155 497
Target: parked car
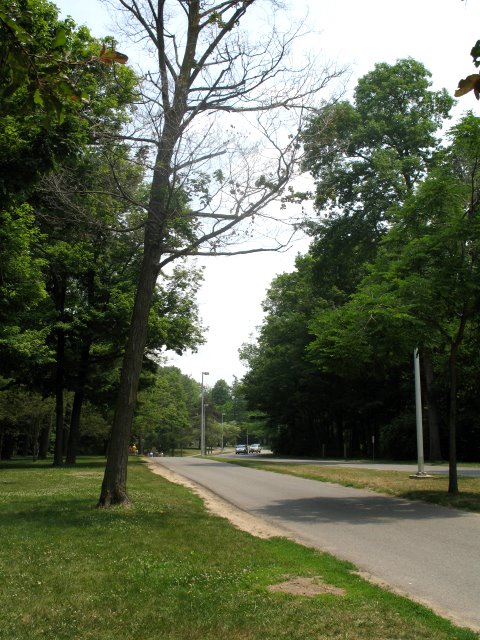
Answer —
255 448
241 448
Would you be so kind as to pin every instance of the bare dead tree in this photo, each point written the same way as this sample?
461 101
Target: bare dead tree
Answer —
221 116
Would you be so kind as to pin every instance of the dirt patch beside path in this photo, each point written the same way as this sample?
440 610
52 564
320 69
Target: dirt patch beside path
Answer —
300 586
219 507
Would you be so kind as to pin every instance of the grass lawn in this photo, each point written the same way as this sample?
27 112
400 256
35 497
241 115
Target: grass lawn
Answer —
166 569
394 483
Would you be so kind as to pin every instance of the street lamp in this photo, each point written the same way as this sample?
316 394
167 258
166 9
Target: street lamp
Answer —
222 431
202 412
418 413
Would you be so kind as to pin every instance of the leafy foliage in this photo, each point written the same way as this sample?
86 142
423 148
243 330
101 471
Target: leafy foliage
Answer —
37 60
69 255
392 266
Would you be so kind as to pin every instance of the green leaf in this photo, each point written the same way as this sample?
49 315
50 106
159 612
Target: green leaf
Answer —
14 26
37 97
60 39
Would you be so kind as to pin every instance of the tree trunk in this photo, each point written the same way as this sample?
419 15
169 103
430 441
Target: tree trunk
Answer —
114 486
74 435
60 294
66 427
59 416
35 436
44 440
435 452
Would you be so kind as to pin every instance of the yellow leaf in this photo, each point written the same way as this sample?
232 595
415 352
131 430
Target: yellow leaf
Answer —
109 56
468 84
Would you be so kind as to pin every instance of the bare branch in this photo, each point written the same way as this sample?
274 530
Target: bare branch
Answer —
225 115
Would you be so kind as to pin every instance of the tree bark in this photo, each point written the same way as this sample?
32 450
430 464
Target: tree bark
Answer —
114 486
59 373
74 435
44 440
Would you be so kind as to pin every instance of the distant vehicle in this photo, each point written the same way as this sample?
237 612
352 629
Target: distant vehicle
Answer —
241 448
255 448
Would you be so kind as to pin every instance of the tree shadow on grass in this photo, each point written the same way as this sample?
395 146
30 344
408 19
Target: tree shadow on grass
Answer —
28 463
78 514
465 500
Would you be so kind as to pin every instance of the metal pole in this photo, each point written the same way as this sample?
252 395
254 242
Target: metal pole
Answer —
418 412
202 419
222 430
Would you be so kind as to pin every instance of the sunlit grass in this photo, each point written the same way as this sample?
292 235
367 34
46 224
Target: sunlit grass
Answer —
167 569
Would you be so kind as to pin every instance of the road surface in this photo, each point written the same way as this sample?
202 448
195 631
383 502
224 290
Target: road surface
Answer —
425 551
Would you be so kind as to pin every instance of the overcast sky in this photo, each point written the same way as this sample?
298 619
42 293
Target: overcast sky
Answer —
359 33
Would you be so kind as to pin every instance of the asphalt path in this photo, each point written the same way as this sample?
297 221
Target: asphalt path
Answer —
427 552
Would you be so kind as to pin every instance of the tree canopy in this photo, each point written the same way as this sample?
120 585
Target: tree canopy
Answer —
391 267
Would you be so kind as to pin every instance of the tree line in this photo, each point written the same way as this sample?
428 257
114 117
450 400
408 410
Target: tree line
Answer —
69 249
168 415
393 266
109 180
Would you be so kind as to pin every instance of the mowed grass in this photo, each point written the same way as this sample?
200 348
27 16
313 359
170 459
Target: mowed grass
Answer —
167 569
393 483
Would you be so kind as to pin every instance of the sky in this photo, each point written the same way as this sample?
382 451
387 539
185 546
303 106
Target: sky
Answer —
357 33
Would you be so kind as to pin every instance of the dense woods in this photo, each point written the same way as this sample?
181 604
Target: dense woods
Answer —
69 250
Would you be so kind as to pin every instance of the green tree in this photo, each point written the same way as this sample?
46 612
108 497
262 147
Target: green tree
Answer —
37 62
79 235
220 394
24 418
364 158
162 420
28 150
22 288
368 155
423 288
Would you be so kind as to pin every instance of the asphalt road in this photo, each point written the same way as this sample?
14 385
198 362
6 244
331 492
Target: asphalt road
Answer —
427 552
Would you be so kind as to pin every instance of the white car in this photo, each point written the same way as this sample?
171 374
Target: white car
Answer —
255 448
241 448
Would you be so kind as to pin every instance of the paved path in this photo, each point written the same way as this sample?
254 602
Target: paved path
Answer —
428 552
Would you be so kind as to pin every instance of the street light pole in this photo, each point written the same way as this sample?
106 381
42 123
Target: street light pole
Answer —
202 419
222 431
418 414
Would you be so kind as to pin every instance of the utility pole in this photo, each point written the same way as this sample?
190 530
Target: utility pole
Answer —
202 418
418 413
